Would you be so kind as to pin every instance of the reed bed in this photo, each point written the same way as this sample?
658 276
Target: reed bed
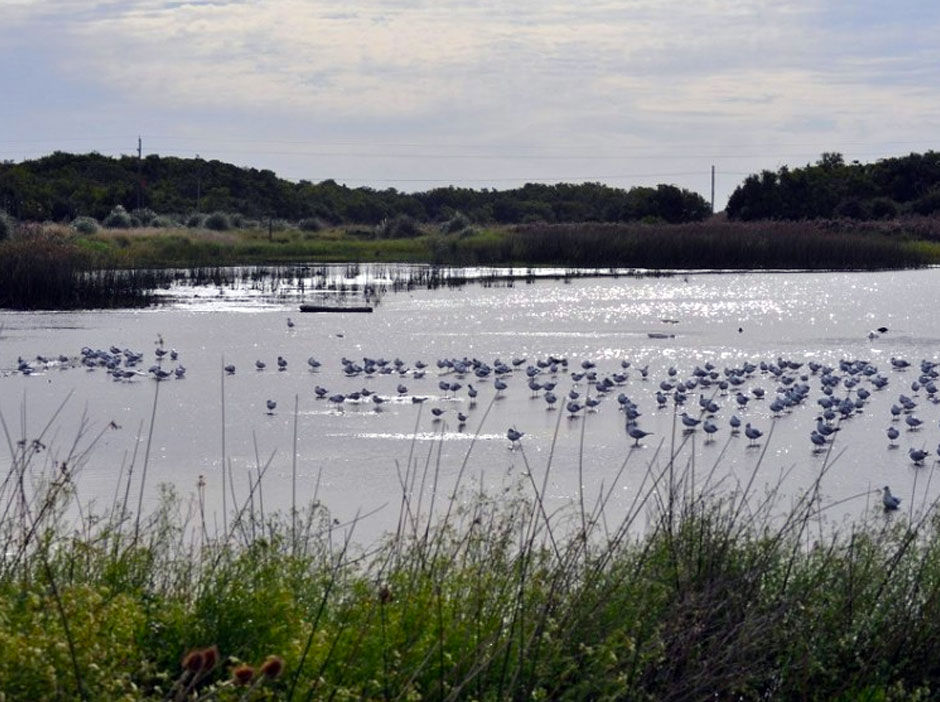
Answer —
717 244
42 270
695 593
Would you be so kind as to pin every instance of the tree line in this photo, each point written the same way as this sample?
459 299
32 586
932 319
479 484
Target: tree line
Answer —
832 188
63 186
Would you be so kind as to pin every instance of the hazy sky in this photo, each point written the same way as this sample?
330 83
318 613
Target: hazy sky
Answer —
414 94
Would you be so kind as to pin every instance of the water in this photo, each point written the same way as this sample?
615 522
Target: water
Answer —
352 459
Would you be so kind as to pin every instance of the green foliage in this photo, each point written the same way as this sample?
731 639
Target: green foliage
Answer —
195 220
63 186
831 188
717 597
118 218
84 225
217 221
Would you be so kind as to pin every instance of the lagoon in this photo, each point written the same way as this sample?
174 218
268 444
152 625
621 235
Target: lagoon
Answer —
352 458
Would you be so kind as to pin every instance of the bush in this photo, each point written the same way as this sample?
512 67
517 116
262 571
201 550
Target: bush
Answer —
310 224
218 221
195 220
398 227
883 208
118 219
457 223
162 222
85 225
144 215
6 226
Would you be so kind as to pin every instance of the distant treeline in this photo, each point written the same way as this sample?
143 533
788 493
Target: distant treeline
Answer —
62 186
831 188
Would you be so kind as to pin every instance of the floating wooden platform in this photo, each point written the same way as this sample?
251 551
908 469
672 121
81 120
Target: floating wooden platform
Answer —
334 308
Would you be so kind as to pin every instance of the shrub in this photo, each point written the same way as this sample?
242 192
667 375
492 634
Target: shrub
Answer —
218 221
6 226
398 227
310 224
144 215
195 220
457 223
118 219
162 222
85 225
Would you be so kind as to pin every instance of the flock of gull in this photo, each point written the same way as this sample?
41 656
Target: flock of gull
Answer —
703 400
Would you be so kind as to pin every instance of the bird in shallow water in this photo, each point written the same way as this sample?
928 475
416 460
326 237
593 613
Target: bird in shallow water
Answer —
752 433
513 435
230 369
893 435
636 433
917 455
888 500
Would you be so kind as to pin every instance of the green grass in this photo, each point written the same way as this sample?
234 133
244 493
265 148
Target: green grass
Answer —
694 594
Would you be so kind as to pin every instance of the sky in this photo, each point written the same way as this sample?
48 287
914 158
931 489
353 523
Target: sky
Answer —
417 94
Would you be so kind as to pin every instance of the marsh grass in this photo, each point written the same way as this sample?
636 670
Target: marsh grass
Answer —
42 268
696 591
714 244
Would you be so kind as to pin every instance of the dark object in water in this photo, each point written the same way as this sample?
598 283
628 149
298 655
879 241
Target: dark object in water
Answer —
333 308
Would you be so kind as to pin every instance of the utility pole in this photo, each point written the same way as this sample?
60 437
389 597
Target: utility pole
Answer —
713 190
198 181
140 152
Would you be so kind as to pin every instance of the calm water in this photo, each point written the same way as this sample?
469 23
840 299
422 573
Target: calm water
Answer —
351 458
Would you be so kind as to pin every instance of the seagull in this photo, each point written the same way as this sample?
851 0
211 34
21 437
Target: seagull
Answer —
819 441
313 363
514 436
917 455
893 434
710 428
260 365
913 422
690 422
271 405
230 369
281 363
735 423
636 433
890 501
290 323
437 412
752 433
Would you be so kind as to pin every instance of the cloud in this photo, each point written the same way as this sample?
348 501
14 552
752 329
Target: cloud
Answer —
529 77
